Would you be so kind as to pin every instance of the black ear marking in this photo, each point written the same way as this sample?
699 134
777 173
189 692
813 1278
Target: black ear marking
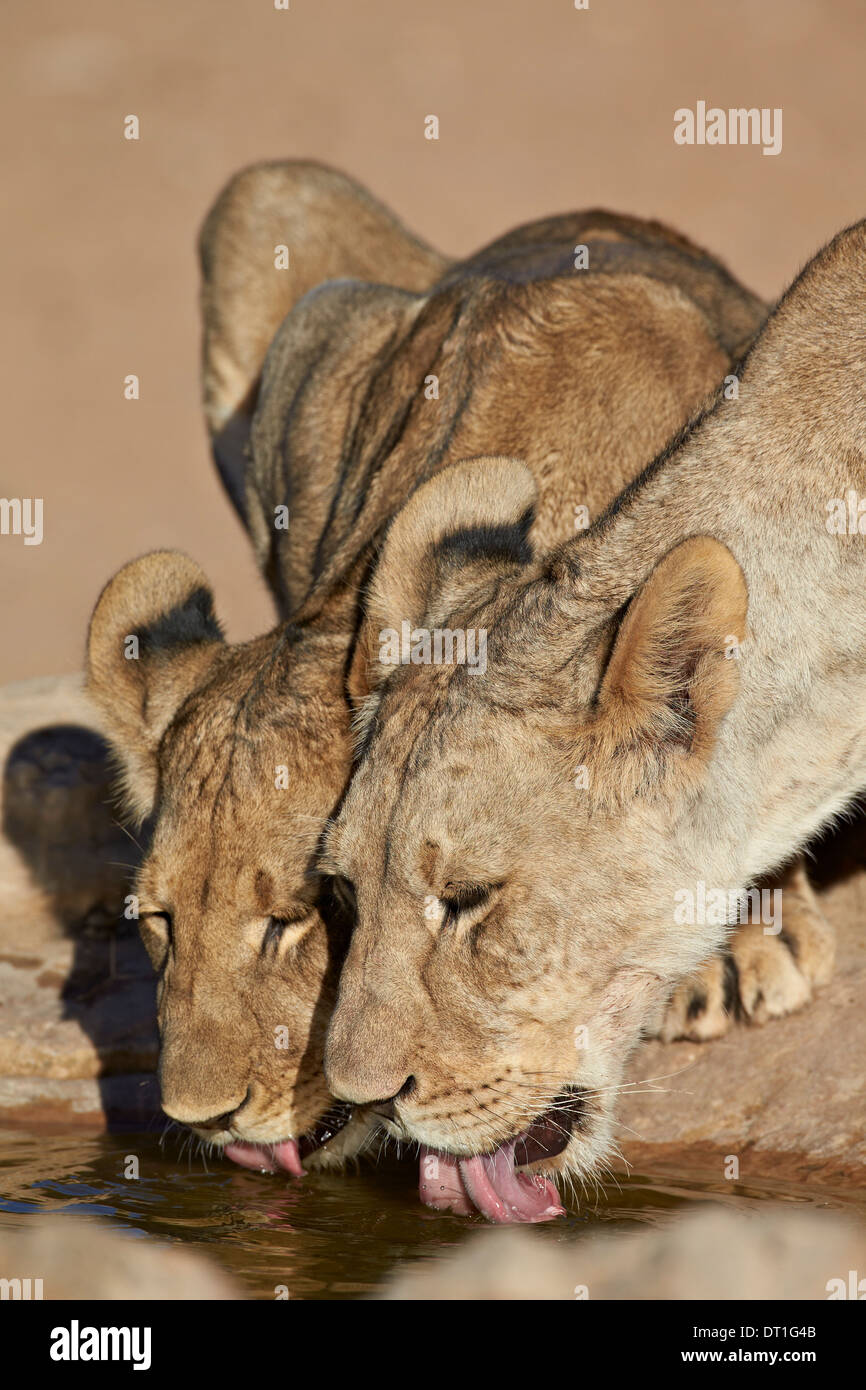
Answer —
187 624
507 541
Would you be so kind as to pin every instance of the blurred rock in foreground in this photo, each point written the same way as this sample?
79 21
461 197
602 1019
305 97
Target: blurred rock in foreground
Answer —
783 1253
78 1259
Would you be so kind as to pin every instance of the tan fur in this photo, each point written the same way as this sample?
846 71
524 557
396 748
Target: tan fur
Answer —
584 373
698 658
333 228
668 682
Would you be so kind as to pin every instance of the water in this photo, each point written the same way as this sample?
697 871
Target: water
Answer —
331 1236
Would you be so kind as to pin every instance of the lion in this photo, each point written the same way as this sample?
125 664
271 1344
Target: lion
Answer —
698 658
334 389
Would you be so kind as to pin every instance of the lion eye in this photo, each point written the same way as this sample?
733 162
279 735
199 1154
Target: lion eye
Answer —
280 929
274 932
458 901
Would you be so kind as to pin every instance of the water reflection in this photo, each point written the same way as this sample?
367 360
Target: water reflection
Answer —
331 1236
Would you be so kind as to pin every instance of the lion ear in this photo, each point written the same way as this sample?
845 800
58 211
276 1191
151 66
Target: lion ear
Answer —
152 639
460 531
673 673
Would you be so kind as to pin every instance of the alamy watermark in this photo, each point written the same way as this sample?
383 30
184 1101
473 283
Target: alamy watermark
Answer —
21 1289
718 907
77 1343
846 516
424 646
713 125
22 516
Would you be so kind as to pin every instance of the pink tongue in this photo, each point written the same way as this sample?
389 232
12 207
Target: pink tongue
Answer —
267 1158
440 1184
288 1158
251 1156
490 1183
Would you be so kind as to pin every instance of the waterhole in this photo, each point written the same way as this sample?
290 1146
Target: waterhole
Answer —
328 1236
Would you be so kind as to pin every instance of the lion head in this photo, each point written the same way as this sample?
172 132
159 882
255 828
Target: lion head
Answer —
215 743
506 834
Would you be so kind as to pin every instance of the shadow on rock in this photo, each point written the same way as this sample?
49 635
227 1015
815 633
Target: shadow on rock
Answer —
59 814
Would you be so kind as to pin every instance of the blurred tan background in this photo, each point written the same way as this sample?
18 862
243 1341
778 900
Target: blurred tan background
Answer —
542 108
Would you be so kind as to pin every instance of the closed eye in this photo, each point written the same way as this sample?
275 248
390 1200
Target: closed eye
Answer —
465 899
284 931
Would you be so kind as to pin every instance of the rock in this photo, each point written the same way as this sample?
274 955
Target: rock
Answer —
713 1254
78 1259
76 987
61 837
787 1099
124 1101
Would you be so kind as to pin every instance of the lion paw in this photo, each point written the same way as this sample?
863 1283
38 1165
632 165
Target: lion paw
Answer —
759 975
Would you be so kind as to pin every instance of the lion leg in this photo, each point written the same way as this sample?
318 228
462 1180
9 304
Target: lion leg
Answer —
759 974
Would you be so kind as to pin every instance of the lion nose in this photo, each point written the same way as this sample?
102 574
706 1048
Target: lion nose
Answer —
388 1108
363 1086
213 1123
368 1050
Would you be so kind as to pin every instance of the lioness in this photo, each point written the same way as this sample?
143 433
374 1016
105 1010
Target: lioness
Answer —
241 753
699 656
